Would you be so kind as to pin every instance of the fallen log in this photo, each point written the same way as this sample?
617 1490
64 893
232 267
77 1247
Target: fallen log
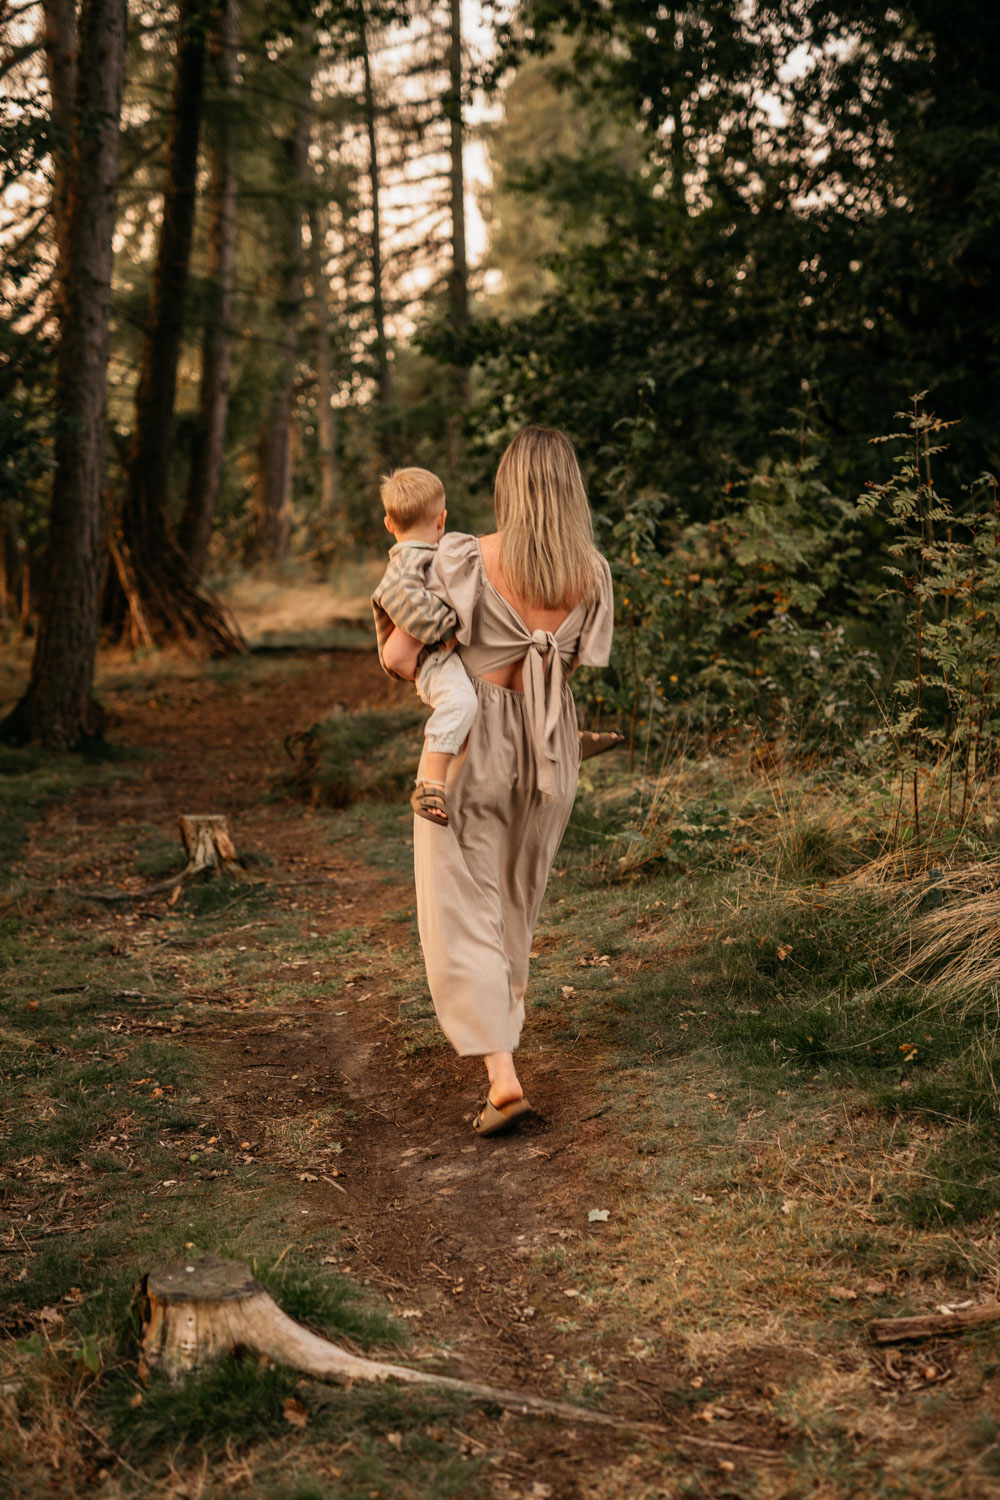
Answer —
929 1325
194 1311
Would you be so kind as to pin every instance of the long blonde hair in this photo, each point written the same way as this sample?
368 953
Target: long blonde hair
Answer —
547 551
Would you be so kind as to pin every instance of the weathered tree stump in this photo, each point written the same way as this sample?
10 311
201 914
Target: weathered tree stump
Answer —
208 846
195 1311
210 850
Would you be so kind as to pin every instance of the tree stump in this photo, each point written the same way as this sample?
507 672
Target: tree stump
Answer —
208 845
194 1311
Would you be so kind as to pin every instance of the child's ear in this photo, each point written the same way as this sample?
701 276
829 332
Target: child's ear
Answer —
387 523
442 518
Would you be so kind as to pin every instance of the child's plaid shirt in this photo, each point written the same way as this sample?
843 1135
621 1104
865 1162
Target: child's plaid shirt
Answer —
403 599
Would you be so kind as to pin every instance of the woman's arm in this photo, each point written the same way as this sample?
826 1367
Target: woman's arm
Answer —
400 654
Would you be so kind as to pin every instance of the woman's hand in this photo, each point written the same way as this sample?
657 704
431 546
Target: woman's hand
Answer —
400 654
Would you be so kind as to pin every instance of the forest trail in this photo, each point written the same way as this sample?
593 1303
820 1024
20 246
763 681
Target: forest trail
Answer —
470 1241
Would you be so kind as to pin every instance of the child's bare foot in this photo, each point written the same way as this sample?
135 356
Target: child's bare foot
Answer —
427 801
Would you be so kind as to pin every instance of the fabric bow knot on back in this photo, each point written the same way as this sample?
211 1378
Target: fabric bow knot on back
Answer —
543 692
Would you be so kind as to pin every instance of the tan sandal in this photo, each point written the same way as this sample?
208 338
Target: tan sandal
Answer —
592 743
427 801
494 1118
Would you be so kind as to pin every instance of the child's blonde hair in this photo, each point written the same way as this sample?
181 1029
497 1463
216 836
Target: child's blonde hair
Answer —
547 550
411 496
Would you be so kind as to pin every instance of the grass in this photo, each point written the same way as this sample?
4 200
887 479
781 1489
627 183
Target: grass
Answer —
113 1159
31 780
785 940
353 757
785 1033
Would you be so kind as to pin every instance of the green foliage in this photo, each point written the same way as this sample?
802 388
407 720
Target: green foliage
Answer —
945 574
737 619
736 262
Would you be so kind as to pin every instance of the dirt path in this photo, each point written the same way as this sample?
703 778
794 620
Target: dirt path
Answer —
468 1239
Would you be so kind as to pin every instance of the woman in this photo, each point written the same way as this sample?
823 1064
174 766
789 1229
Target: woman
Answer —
533 601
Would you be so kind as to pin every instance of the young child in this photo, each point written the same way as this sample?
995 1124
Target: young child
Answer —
415 513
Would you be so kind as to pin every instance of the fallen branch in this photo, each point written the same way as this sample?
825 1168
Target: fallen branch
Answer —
928 1326
194 1311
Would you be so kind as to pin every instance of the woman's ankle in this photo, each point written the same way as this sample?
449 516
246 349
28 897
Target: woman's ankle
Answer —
504 1084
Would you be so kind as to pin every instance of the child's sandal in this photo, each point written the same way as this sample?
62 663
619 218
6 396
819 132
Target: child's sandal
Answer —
427 801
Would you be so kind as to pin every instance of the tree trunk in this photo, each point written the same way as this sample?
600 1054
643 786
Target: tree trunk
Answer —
57 708
61 44
326 423
274 473
459 280
12 571
383 369
155 597
216 357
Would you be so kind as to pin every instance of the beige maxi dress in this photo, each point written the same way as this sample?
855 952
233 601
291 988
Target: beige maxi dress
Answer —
481 878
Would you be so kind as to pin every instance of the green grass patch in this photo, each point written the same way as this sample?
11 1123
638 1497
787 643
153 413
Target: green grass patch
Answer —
32 779
369 756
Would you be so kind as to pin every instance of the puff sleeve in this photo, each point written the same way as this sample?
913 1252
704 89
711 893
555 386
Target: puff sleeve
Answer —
594 648
456 576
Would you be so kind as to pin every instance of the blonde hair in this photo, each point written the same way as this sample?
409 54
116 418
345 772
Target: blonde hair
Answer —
411 496
547 551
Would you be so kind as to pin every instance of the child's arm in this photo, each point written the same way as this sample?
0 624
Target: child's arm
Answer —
400 652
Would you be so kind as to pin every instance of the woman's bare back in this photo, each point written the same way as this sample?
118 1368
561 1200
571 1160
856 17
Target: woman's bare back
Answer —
533 617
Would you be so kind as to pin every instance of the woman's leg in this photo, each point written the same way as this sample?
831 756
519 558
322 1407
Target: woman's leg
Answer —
505 1086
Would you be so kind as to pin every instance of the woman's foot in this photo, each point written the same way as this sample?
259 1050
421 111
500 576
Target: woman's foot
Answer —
593 743
427 801
493 1118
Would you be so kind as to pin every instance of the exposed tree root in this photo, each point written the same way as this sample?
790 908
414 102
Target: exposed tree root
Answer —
194 1311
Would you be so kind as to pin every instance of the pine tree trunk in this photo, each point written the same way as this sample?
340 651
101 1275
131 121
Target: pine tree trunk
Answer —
326 423
383 369
57 708
459 280
204 480
154 595
61 43
11 568
275 451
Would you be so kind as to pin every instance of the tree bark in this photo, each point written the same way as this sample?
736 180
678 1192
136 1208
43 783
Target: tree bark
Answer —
326 422
155 597
383 369
274 468
459 279
58 709
61 42
205 477
12 572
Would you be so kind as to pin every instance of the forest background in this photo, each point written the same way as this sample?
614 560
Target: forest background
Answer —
746 256
724 248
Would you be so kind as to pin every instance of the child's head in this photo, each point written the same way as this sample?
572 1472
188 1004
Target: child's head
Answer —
413 500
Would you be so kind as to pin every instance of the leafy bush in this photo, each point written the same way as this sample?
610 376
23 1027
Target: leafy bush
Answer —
745 618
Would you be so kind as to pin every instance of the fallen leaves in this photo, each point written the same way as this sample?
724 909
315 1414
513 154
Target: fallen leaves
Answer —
294 1412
